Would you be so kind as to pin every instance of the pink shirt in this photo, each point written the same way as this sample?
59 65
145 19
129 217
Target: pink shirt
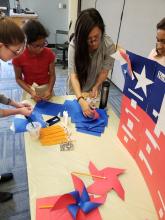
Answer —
154 56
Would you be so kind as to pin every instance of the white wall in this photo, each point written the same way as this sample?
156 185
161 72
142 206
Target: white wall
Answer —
73 4
87 4
49 13
138 28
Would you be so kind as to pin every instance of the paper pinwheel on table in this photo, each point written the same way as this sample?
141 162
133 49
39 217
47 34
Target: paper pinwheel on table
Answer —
76 205
111 181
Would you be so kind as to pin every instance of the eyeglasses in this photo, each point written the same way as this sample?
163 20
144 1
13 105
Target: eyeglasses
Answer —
45 44
16 52
93 40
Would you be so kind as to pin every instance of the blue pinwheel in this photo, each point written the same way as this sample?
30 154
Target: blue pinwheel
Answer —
81 202
78 203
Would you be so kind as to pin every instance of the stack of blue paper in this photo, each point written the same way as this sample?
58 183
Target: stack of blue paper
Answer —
85 124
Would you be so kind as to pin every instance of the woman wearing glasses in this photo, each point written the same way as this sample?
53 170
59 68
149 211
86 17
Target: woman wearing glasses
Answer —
89 57
12 43
36 65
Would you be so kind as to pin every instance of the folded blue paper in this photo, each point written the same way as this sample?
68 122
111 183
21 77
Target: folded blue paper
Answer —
89 132
49 108
85 124
20 123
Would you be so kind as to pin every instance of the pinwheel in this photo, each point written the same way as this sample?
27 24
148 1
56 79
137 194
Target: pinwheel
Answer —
78 202
111 181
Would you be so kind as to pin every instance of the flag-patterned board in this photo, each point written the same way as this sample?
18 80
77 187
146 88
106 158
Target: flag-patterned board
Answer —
130 126
139 86
142 122
156 106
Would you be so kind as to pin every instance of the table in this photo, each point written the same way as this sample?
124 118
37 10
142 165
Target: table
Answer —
49 170
21 18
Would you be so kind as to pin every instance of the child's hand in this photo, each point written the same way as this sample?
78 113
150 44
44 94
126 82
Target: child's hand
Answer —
47 95
35 96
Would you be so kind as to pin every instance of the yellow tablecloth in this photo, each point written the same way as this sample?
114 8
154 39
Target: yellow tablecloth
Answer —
49 171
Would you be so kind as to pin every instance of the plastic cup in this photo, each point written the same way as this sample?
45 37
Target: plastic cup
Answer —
34 129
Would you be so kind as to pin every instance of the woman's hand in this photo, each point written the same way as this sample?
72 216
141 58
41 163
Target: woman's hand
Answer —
25 111
21 105
94 92
47 95
86 109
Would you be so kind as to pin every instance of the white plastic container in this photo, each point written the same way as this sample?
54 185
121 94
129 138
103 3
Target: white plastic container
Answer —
34 131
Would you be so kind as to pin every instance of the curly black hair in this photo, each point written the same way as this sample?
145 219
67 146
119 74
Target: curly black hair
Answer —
34 31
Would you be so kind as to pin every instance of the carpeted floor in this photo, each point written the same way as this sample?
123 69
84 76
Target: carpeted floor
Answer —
12 153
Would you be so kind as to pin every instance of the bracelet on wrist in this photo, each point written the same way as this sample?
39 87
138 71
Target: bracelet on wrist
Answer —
81 97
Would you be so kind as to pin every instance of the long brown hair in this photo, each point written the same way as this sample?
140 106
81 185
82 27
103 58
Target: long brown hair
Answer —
10 32
87 20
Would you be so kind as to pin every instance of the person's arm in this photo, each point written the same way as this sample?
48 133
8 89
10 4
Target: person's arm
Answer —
107 65
75 84
101 78
51 83
86 109
23 111
20 108
23 84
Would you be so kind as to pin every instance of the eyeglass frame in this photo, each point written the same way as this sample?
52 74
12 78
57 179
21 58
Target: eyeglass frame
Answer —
17 52
45 44
94 40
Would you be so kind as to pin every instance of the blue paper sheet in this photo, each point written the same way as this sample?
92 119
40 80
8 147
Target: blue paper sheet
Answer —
89 128
20 123
49 108
89 132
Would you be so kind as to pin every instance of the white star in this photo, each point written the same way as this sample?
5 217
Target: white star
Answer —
142 81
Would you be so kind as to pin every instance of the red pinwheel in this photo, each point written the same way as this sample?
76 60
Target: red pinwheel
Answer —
78 204
111 181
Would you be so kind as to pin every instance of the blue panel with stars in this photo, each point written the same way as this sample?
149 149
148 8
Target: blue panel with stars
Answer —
139 87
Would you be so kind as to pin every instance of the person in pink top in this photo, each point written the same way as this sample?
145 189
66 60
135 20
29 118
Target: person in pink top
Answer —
36 64
158 53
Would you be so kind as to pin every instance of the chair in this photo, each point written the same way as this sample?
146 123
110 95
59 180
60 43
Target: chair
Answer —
61 44
5 3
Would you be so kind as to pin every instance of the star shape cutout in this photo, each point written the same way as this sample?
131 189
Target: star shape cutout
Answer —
142 80
111 181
